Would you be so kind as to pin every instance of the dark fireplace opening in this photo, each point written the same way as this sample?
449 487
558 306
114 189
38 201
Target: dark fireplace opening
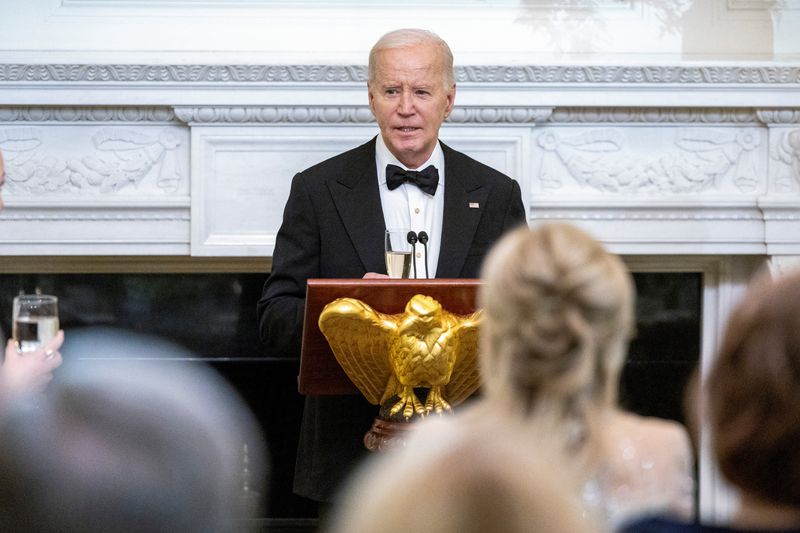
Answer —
208 316
212 316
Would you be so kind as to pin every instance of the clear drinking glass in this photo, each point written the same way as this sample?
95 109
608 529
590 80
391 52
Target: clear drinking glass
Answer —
398 253
35 320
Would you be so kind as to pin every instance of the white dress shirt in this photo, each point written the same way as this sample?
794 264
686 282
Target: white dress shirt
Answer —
408 207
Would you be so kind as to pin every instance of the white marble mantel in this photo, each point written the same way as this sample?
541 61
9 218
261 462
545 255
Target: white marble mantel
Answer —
685 167
123 159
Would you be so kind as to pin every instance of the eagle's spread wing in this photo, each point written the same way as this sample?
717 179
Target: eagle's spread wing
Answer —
466 377
359 337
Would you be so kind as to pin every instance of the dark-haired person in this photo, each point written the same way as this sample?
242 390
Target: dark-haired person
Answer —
753 413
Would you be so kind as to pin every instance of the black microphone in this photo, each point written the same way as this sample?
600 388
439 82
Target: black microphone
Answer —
412 240
423 239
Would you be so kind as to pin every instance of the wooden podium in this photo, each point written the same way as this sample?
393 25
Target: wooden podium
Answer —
320 372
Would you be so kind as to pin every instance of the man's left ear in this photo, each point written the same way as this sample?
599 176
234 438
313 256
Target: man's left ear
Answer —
451 101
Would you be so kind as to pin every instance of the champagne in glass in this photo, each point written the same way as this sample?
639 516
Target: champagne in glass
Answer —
35 320
398 264
398 253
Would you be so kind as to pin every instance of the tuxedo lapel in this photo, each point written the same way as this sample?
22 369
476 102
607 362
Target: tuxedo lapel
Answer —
358 203
464 199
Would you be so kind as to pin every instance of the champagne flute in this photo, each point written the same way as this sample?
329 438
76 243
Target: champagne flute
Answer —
35 320
398 253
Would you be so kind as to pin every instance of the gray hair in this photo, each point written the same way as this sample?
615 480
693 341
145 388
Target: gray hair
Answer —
410 37
155 446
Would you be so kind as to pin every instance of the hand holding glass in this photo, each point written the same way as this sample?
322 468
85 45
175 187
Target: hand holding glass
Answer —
398 253
35 320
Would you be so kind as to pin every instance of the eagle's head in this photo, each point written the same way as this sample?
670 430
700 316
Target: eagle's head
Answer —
423 314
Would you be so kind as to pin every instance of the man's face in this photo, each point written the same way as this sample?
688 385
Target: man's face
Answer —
410 101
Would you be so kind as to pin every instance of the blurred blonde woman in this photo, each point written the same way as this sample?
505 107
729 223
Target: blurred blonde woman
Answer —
559 313
463 478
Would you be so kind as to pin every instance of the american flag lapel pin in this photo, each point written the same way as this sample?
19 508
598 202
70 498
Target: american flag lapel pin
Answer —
474 205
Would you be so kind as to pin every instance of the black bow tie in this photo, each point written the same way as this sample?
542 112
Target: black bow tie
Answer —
427 179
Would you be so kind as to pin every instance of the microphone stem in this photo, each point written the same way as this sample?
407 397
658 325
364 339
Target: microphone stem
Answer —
411 237
423 239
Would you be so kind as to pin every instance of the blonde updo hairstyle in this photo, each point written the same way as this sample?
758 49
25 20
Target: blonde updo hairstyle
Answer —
558 317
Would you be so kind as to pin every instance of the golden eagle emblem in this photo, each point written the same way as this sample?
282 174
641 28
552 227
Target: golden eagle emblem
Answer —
388 356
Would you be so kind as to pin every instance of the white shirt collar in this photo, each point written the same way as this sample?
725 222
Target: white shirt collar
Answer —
384 157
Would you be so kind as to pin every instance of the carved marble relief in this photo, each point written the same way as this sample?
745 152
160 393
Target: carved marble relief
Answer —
785 153
512 74
105 160
612 160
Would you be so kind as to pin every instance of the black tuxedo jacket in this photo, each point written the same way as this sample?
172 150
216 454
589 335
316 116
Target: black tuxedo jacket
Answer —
333 227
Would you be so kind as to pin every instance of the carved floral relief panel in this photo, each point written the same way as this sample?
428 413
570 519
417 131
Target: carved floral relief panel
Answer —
103 160
785 159
648 161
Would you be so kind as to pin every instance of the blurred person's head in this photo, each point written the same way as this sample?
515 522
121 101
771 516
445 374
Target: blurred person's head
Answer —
753 395
129 446
492 476
558 316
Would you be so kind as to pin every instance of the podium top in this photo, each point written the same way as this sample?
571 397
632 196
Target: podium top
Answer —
320 373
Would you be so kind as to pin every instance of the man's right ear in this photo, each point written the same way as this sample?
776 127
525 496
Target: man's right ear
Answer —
371 99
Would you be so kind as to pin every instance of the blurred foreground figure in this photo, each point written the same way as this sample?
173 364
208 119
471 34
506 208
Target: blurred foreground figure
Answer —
129 446
752 407
487 478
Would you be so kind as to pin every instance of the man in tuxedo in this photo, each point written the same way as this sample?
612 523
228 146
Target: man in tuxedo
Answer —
337 212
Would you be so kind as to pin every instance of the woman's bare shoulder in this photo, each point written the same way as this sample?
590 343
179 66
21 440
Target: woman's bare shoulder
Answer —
662 433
